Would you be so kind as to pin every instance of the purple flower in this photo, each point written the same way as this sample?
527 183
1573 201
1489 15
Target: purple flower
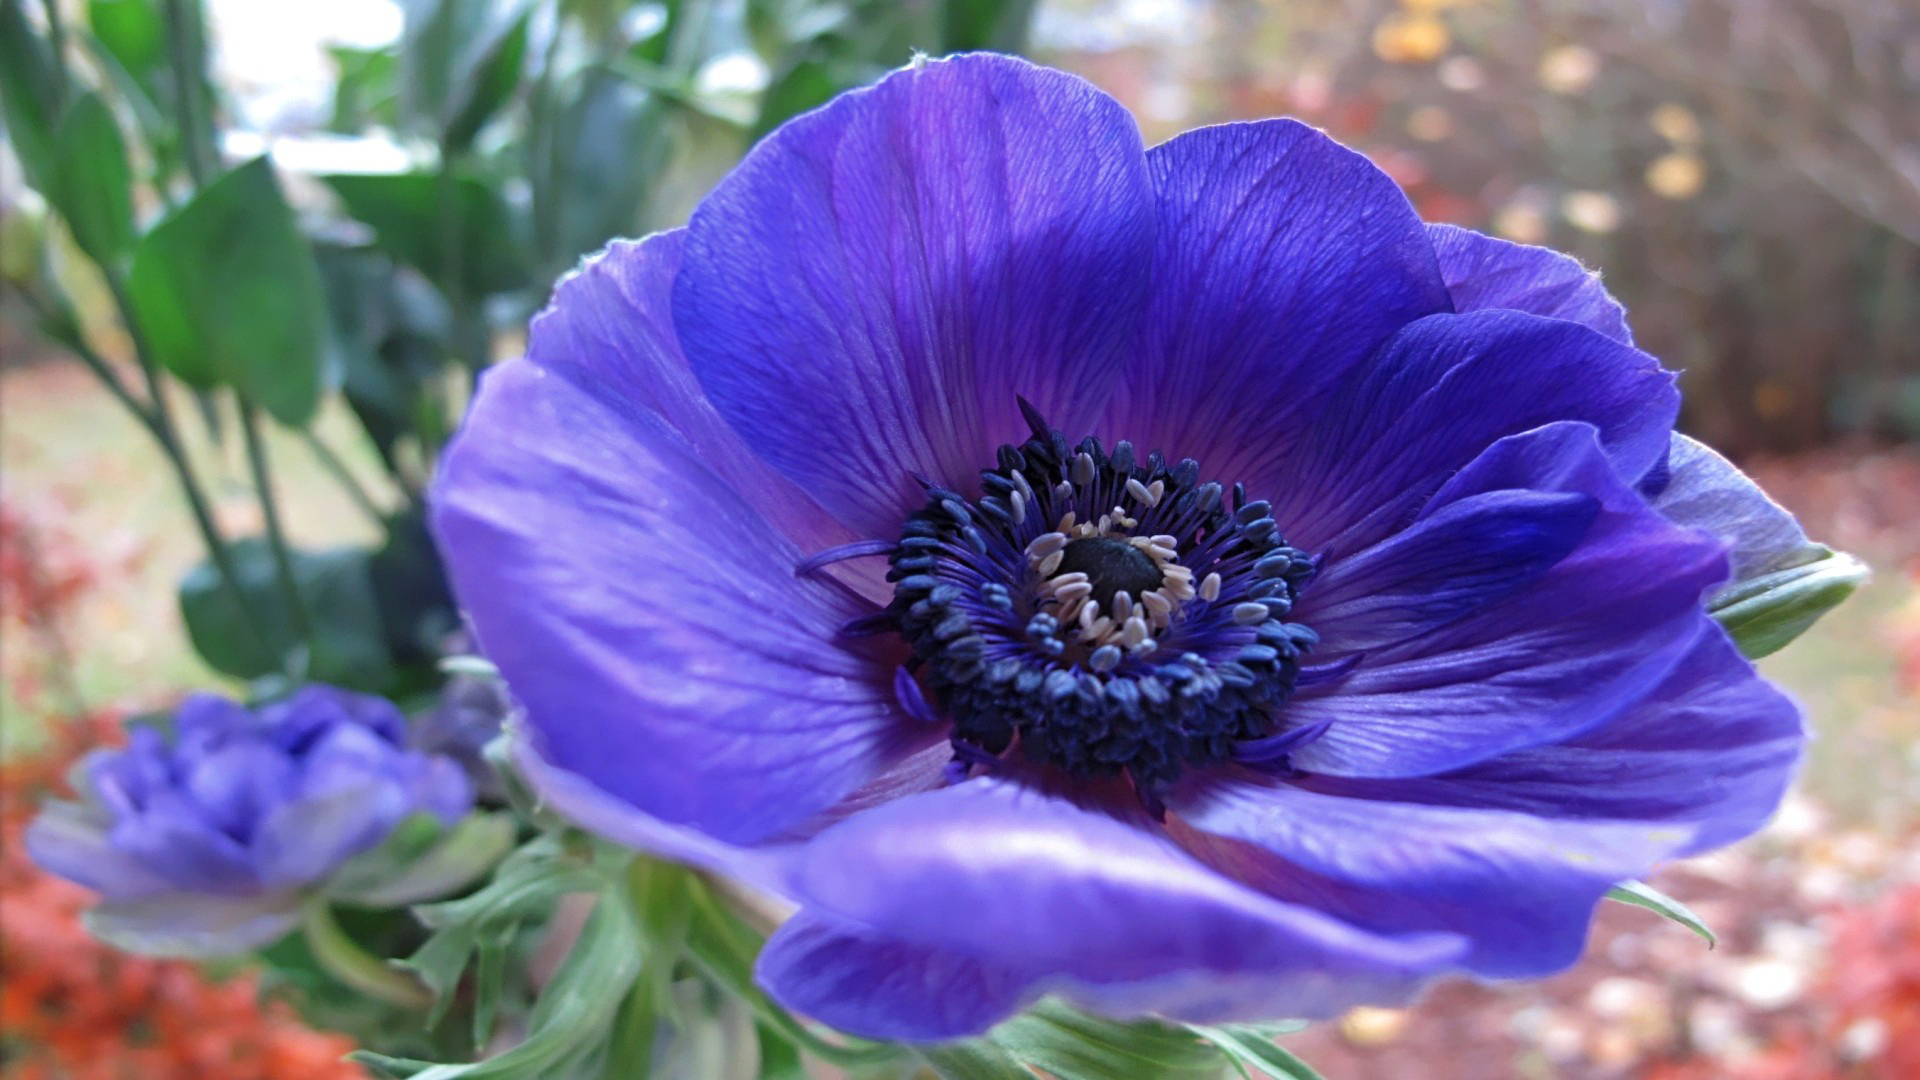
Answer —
213 838
1175 579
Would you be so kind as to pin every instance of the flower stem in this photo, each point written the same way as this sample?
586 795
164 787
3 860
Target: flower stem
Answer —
276 536
351 484
346 961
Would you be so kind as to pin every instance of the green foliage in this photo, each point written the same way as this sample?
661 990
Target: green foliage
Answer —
225 293
457 230
91 184
29 91
524 890
460 60
262 638
132 32
1065 1043
1069 1043
1252 1046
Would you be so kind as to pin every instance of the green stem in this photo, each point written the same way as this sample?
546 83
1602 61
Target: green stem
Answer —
57 45
184 57
346 961
156 416
276 535
63 328
351 484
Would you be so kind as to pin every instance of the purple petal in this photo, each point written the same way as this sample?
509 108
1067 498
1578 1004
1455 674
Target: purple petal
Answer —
576 799
1017 877
1519 887
173 840
67 841
1462 558
868 291
1707 492
1484 272
1711 752
304 840
1283 261
188 924
1593 635
609 330
236 783
649 619
1444 389
858 982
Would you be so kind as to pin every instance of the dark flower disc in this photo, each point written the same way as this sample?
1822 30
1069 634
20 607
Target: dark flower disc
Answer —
1103 611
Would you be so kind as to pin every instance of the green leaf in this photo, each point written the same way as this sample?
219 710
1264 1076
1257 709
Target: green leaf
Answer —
367 92
801 86
1000 25
1766 612
92 186
1252 1045
779 1058
524 888
975 1059
393 875
457 231
575 1013
226 293
132 33
459 62
348 648
593 163
1073 1045
28 94
1640 894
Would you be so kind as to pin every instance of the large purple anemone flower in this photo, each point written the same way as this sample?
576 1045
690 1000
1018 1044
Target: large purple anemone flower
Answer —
213 837
1177 579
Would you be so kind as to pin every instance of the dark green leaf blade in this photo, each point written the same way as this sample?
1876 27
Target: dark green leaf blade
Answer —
459 62
338 587
27 92
409 215
93 186
226 293
131 31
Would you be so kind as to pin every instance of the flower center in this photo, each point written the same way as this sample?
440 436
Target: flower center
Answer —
1101 612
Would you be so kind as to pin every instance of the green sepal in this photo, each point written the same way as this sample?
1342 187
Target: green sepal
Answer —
1640 894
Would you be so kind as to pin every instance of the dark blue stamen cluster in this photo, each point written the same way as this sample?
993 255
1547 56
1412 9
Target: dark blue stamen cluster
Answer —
1008 673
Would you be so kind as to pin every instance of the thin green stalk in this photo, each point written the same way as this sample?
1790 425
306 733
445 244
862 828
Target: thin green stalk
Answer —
184 59
346 961
351 484
160 422
276 536
57 44
60 325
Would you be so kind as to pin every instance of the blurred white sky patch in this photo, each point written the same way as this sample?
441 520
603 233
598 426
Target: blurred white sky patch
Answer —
1106 25
274 55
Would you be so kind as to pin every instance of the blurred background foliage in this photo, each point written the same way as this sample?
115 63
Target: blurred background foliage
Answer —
256 254
377 251
1746 173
